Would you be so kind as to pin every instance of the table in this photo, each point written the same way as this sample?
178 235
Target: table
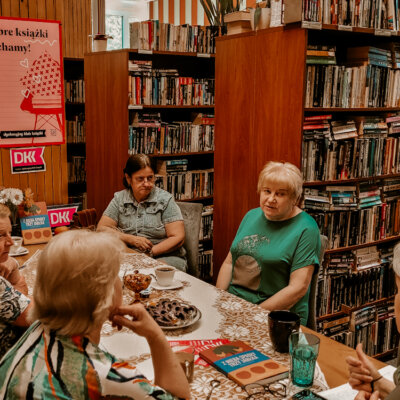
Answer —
223 316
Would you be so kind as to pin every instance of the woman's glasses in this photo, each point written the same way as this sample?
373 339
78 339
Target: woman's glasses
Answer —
257 391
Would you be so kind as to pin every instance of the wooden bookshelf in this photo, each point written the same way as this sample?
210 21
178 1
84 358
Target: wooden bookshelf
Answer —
349 110
349 310
108 115
351 180
161 53
362 245
390 353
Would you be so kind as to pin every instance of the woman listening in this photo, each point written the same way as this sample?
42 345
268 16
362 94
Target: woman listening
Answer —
276 248
77 289
146 217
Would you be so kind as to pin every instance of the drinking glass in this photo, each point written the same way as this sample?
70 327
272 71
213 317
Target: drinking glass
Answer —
303 348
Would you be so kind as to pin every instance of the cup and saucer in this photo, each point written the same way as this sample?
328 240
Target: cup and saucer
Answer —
164 278
16 249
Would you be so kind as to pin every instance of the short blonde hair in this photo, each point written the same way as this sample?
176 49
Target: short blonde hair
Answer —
396 259
75 281
4 211
282 173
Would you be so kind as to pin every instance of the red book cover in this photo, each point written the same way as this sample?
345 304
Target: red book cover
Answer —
244 364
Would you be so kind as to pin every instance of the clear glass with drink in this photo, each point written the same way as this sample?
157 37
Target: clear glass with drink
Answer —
303 348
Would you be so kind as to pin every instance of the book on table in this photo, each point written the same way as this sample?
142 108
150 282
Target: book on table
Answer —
244 364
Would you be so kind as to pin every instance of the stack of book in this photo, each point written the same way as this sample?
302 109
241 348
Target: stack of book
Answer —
155 35
369 55
321 55
343 197
344 129
367 257
395 48
372 127
393 124
369 195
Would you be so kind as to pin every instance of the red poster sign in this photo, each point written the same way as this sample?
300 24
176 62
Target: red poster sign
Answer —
27 159
61 215
31 83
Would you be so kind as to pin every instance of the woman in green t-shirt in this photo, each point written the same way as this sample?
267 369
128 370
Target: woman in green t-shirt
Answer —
276 248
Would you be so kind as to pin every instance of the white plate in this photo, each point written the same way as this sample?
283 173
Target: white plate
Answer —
176 284
184 325
21 252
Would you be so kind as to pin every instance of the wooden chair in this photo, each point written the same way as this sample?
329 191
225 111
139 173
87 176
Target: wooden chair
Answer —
191 213
312 300
85 219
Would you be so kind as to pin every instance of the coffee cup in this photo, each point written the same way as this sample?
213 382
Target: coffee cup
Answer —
165 275
16 247
281 325
186 355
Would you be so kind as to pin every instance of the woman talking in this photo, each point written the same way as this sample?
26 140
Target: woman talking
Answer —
276 247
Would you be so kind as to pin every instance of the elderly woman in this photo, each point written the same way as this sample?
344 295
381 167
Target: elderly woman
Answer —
14 303
363 374
146 217
77 288
276 247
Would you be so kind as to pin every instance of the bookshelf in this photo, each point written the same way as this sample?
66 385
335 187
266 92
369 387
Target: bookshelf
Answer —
75 129
264 73
114 126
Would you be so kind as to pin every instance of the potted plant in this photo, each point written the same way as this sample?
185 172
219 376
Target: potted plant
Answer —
261 17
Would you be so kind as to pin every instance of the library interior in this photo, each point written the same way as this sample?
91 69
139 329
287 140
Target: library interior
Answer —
200 199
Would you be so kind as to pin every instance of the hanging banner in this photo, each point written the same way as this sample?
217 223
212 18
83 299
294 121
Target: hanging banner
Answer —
31 83
27 159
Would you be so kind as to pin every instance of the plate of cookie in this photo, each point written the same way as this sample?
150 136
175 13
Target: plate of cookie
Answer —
173 314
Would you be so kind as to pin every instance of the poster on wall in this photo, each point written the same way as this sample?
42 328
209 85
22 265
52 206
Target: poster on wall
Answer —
31 83
27 159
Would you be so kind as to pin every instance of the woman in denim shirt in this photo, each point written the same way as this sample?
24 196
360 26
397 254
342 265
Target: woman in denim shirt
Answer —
146 217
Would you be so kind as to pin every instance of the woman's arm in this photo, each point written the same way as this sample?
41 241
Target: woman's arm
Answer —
175 238
167 371
225 273
109 225
287 297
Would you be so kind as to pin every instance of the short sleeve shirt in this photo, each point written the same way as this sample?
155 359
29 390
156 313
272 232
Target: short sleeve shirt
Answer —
12 305
147 218
44 365
265 253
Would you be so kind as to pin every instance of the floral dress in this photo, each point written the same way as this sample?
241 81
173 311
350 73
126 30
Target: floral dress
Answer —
45 365
12 305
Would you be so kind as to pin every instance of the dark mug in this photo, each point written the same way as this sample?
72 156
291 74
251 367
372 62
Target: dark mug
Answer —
281 325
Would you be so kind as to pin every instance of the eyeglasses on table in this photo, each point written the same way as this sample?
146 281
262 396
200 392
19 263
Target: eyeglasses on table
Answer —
257 391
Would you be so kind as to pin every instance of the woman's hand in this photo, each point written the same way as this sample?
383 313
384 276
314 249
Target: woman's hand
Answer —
141 323
362 395
362 371
140 242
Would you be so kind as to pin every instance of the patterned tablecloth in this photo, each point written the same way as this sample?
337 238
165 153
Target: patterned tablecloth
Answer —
223 316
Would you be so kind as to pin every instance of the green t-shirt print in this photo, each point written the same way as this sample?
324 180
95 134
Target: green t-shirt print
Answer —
265 253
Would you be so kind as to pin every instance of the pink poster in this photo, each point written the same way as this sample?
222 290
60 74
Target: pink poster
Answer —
27 159
31 83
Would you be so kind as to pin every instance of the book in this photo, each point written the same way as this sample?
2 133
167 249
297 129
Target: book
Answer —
35 224
244 364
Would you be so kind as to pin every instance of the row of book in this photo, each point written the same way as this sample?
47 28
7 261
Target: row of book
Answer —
205 263
76 132
354 278
189 184
374 326
325 159
166 87
352 86
349 228
376 14
74 91
77 169
206 227
170 138
155 35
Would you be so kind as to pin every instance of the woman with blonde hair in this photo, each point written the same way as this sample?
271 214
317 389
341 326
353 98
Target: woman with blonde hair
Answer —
14 302
77 288
276 248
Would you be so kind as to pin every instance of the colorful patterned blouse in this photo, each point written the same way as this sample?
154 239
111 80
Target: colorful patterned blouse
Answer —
45 365
12 305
